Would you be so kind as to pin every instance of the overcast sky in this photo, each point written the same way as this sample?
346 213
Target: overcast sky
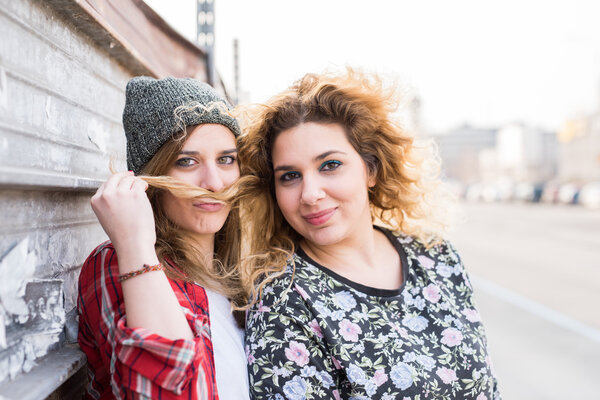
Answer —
481 62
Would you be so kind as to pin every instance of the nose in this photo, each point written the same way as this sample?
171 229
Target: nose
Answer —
211 178
312 190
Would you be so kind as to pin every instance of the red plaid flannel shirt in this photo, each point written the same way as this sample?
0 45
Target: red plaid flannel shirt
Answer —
127 363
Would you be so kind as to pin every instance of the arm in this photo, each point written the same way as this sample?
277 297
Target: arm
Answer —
125 213
285 355
134 361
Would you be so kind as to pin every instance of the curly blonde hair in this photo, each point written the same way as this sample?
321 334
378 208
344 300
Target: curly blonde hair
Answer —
406 197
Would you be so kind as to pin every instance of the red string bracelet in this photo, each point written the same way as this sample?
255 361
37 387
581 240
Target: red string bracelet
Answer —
143 270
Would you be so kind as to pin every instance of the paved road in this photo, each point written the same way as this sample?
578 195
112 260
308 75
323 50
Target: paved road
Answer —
536 272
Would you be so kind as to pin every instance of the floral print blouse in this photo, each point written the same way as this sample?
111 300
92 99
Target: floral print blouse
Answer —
318 335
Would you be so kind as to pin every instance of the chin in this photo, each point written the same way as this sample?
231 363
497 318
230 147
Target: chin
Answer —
324 236
209 225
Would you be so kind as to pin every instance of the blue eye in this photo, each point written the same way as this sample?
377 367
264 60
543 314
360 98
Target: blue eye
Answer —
185 162
330 165
289 176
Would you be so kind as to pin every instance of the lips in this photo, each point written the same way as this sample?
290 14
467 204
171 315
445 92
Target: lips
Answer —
320 217
209 207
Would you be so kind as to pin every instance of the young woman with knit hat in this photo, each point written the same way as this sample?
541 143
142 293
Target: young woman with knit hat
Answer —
154 302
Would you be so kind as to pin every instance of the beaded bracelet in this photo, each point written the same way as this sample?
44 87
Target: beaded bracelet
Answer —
143 270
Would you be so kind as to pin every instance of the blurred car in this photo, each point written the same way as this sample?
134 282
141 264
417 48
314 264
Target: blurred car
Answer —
568 193
473 192
538 190
589 196
505 190
550 193
524 191
489 193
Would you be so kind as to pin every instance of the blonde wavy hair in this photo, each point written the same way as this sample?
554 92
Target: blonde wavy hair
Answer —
216 271
406 197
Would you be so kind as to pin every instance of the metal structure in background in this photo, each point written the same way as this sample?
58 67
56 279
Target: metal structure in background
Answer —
205 38
236 69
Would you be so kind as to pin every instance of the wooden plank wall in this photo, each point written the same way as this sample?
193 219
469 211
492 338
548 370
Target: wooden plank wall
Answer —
64 65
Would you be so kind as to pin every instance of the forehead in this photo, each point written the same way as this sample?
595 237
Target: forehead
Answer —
308 140
209 136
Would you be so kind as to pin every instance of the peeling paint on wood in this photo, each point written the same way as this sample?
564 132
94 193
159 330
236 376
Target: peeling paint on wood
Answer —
61 100
16 269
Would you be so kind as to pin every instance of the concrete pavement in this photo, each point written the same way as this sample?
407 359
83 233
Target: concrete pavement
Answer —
536 273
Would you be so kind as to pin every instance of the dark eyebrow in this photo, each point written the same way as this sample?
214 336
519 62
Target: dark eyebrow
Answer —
195 153
317 158
327 154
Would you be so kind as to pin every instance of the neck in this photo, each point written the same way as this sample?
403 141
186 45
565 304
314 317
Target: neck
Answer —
360 249
205 244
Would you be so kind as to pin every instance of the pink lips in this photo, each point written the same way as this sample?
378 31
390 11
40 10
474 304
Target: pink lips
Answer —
210 207
319 218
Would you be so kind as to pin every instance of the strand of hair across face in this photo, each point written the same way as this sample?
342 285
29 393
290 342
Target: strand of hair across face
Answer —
230 195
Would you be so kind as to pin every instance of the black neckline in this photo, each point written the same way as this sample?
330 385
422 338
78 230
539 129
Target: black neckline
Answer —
358 286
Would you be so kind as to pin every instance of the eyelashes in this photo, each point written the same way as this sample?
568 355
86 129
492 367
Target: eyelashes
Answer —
190 161
330 165
327 166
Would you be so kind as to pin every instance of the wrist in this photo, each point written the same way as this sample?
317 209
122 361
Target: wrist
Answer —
132 260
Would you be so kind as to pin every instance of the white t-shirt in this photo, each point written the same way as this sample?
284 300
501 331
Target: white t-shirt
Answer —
228 347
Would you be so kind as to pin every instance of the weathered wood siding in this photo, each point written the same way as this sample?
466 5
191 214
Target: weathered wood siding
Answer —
60 122
61 100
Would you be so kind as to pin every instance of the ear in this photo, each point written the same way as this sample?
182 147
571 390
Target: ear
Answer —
371 177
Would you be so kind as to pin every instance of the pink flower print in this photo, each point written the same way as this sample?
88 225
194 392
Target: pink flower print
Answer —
249 356
336 363
481 396
451 337
297 353
471 314
314 326
349 330
431 293
447 375
426 262
302 292
336 395
380 377
262 308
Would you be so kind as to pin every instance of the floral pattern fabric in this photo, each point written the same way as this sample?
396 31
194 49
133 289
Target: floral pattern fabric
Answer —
318 335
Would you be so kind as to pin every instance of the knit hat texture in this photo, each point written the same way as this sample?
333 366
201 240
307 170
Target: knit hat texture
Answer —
149 115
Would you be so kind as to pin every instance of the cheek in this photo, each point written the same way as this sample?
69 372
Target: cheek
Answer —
171 207
231 176
285 198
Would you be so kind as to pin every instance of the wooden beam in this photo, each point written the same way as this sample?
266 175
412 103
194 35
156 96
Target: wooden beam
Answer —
135 35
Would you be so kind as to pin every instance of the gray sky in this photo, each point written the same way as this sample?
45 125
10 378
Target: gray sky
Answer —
483 62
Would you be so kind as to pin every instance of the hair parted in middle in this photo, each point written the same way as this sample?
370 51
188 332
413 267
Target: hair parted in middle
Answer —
405 197
216 271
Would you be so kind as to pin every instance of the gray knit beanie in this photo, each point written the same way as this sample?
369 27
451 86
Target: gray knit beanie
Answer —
149 119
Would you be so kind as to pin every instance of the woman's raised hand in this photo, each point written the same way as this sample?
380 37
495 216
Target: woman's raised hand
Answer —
125 213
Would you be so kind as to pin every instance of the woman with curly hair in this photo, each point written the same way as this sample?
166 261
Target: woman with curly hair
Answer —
359 295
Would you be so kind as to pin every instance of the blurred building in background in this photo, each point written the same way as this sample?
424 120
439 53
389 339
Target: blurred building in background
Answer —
525 154
461 150
579 149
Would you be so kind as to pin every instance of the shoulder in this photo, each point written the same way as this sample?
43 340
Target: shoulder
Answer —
102 258
288 293
440 257
99 270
